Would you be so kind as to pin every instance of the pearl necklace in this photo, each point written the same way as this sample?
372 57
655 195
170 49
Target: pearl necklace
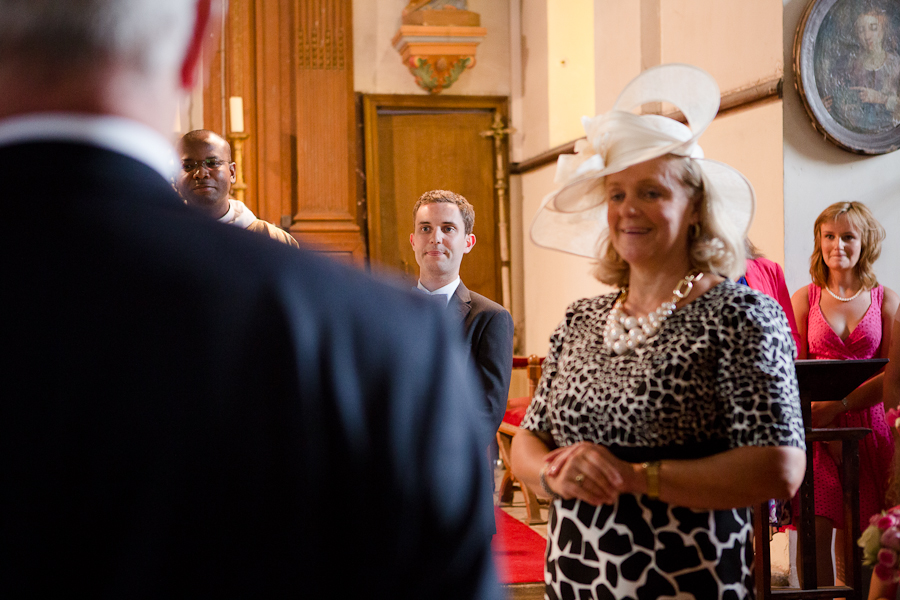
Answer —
841 298
623 333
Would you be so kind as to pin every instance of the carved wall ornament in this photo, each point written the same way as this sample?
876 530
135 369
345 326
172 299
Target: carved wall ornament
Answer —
437 41
322 35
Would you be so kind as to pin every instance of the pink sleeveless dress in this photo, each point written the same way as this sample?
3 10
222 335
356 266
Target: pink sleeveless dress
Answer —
877 448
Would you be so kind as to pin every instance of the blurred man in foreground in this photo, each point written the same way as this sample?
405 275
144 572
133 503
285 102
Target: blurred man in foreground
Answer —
192 410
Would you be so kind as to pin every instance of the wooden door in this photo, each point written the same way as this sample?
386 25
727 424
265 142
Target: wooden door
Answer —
419 143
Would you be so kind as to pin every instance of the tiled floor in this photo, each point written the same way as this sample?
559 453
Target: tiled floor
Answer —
516 508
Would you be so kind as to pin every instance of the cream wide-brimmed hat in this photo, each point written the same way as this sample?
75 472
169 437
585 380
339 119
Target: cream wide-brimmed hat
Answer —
573 218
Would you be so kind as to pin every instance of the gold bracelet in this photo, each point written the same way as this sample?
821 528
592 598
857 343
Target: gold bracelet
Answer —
652 470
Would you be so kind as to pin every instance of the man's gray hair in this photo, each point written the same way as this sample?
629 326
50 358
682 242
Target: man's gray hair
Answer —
149 36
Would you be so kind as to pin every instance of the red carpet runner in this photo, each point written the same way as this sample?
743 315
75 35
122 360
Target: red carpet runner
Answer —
518 551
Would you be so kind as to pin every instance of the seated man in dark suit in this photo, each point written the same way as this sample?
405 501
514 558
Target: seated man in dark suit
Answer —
205 179
191 410
444 222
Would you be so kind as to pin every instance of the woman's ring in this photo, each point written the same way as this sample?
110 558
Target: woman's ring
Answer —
579 479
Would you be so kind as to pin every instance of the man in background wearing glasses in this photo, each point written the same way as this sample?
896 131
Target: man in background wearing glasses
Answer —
205 178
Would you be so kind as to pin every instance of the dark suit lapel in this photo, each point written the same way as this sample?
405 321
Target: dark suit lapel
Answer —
461 302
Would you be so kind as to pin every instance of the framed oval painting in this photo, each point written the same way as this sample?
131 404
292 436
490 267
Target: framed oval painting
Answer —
847 71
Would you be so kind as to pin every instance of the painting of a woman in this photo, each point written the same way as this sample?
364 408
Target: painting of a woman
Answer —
865 82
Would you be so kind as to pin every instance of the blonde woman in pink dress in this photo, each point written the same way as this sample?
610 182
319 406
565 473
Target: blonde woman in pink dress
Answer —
845 315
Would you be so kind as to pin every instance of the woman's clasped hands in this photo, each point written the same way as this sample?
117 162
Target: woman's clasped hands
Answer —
589 472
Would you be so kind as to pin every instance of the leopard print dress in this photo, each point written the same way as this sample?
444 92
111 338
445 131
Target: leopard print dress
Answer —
718 375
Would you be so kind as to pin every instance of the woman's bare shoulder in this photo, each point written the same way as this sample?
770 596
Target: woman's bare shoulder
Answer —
890 304
800 298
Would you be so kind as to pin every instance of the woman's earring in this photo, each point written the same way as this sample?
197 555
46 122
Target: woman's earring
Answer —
694 231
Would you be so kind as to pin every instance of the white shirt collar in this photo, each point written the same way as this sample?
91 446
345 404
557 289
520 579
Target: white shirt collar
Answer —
117 134
448 290
238 214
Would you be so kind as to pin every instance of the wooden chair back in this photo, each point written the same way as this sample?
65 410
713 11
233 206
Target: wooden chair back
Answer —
508 430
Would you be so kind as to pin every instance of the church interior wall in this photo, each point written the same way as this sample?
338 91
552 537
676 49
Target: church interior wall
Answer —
795 172
559 90
750 141
377 68
553 280
617 50
817 173
739 44
570 68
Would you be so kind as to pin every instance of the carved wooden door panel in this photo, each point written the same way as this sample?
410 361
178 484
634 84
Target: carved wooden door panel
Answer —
419 143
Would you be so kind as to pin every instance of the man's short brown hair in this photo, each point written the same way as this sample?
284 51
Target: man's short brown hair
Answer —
465 209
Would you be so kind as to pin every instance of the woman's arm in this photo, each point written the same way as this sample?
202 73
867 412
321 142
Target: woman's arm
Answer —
891 390
866 395
734 478
740 477
879 589
889 307
527 454
800 303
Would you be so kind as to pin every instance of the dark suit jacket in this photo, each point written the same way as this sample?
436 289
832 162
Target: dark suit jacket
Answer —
489 334
192 410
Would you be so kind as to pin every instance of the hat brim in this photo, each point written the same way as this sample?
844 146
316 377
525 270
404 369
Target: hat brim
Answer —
572 219
580 232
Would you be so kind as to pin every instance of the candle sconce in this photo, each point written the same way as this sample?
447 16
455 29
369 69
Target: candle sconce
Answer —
239 188
237 139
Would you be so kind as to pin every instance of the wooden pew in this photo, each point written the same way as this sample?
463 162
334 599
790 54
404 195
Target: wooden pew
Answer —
508 430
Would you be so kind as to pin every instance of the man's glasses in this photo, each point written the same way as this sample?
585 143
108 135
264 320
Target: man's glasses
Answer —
208 163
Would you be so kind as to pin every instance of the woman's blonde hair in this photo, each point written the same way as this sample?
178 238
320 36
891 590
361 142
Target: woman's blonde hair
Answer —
871 235
715 247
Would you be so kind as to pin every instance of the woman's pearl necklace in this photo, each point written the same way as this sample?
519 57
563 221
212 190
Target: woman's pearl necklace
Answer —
623 333
841 298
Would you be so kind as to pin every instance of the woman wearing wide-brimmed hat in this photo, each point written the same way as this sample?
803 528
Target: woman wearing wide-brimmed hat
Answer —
669 407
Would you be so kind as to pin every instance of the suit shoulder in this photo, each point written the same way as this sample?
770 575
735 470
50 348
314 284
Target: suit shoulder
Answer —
273 232
485 304
344 293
